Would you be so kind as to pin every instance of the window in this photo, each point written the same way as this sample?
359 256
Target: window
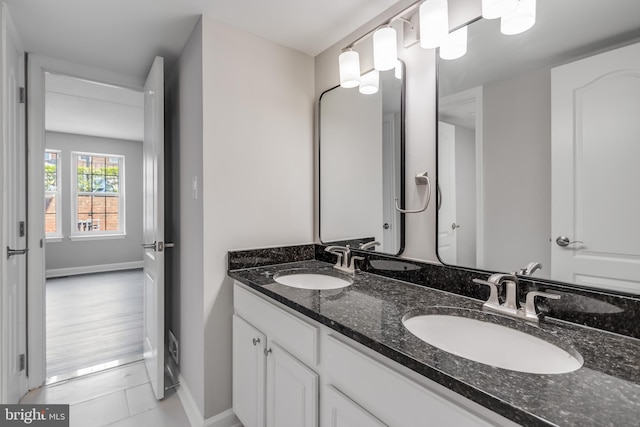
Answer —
98 199
52 193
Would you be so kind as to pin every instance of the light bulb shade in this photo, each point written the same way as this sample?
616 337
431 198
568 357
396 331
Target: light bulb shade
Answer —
370 82
520 20
349 62
385 49
397 72
434 23
492 9
455 45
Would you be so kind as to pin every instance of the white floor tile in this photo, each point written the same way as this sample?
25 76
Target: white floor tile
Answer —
99 412
141 399
90 387
168 413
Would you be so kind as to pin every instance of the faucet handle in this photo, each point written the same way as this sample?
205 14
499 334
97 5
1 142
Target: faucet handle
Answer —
352 266
493 296
530 305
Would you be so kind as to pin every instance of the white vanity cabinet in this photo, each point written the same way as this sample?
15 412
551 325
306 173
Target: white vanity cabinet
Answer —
292 371
272 385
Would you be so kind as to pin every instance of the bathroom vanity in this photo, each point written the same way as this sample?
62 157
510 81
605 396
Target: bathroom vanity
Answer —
337 357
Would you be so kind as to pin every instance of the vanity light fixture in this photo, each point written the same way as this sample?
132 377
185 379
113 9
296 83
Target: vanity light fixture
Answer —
519 20
370 82
492 9
434 23
455 45
349 62
385 49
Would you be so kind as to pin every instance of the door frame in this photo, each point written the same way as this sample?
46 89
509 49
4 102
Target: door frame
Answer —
451 101
37 66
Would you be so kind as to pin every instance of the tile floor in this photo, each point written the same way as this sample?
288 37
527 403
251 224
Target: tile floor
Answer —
119 397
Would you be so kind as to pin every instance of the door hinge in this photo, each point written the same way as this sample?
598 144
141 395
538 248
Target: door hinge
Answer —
21 361
21 229
22 95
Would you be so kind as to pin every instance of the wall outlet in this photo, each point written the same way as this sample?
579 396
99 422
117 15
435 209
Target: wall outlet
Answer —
174 349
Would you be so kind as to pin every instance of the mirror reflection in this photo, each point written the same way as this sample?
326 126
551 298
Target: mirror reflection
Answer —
538 145
361 165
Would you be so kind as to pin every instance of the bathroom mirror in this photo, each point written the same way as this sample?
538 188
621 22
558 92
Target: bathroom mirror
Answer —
539 144
361 165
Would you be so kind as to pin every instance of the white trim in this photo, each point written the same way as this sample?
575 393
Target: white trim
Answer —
37 67
74 271
224 419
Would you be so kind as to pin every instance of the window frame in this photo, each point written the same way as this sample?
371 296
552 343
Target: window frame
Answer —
97 234
57 235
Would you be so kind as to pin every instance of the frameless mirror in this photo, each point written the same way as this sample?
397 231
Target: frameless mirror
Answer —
538 145
361 165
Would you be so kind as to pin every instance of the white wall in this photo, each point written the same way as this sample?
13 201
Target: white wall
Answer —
184 221
74 254
243 124
517 125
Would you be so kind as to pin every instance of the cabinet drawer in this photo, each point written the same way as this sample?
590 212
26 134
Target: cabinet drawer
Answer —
388 395
300 338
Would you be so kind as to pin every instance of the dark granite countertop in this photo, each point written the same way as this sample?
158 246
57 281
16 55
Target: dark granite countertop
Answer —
604 392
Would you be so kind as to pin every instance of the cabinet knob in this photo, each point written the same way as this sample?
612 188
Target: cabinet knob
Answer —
267 351
256 341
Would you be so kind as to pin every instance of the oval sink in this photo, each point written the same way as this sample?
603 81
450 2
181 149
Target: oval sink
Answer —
492 344
312 281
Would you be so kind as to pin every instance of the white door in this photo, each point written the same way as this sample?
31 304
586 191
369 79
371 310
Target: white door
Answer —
447 226
249 373
153 226
595 174
292 390
13 281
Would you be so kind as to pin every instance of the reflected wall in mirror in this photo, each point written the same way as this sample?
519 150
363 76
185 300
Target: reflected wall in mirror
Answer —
539 143
361 165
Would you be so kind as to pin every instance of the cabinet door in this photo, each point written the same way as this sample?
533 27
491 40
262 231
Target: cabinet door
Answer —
248 373
292 391
340 411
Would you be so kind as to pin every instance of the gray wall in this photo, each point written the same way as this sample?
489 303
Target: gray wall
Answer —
86 253
517 125
183 120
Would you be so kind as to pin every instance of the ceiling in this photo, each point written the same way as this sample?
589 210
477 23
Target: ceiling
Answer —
124 36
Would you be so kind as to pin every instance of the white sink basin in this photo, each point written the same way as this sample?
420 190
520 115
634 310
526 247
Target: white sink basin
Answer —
492 344
312 281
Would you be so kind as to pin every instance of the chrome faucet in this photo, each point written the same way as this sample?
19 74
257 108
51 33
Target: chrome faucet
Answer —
368 245
345 262
511 307
530 268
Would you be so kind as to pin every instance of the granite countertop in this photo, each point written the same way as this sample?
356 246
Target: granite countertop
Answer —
605 391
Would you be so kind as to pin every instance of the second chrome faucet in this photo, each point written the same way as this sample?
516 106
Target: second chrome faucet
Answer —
511 306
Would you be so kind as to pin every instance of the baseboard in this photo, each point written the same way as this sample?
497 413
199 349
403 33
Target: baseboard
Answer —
224 419
73 271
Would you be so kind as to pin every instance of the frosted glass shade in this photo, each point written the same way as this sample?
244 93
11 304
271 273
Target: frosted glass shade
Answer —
370 82
492 9
349 62
519 20
434 23
455 45
385 49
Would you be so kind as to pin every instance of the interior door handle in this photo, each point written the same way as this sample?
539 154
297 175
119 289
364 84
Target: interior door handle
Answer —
12 252
564 241
150 245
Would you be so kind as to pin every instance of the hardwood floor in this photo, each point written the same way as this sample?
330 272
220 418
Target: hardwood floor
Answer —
93 319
